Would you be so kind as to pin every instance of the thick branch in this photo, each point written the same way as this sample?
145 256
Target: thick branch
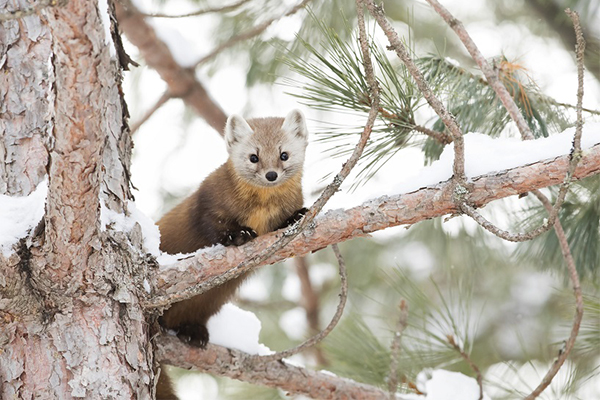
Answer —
72 208
205 270
181 81
234 364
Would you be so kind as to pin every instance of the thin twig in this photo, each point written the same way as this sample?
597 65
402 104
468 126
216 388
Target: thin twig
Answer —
446 117
560 233
257 30
441 137
395 350
490 73
567 105
161 101
473 366
336 317
34 9
570 343
203 11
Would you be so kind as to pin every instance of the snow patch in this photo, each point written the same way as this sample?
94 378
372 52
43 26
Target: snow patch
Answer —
125 223
293 323
103 9
440 384
290 290
238 329
196 386
19 215
484 155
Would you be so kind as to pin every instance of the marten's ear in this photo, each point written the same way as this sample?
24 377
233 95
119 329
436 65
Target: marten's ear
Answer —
236 129
295 124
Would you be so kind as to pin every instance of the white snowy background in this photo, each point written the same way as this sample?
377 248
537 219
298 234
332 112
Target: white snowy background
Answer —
174 157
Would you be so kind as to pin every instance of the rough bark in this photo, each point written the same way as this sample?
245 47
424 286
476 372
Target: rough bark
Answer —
238 365
25 107
204 270
69 309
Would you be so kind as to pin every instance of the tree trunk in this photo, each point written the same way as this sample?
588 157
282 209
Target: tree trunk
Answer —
72 325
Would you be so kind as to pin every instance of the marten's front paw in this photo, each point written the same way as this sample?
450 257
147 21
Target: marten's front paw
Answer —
238 238
193 334
297 216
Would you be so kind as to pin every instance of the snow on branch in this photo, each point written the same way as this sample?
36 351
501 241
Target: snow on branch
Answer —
206 268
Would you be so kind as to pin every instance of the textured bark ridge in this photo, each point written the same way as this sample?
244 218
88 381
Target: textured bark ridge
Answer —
70 320
238 365
25 104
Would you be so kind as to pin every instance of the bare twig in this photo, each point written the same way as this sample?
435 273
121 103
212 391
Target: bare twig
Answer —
161 101
33 9
473 366
310 303
562 239
210 267
446 117
490 73
257 30
336 317
566 105
440 137
570 343
395 350
203 11
221 361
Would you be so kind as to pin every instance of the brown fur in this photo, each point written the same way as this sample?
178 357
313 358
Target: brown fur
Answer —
228 209
223 203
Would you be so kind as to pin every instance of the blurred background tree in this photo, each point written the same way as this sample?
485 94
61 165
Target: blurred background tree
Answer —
509 306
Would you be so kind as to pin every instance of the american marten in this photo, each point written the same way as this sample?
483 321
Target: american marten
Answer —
258 190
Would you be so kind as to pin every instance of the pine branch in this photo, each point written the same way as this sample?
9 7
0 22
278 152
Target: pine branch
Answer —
235 364
448 119
491 75
468 360
182 82
395 349
211 267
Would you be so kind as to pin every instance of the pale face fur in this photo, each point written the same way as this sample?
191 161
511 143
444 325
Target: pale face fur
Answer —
267 139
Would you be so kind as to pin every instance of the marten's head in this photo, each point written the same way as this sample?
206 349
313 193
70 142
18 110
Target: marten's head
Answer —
267 151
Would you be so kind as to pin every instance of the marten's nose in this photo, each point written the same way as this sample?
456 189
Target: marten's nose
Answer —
271 176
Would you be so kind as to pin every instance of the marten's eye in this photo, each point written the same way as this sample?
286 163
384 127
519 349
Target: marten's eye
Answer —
284 156
253 158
